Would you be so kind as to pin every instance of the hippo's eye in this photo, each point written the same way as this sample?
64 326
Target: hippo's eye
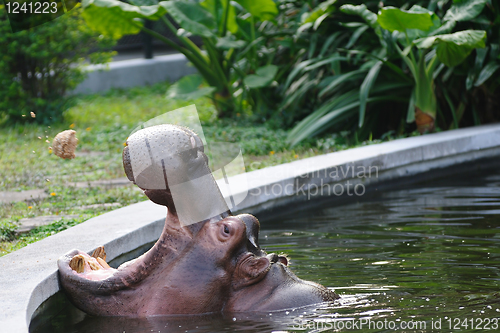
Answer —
224 232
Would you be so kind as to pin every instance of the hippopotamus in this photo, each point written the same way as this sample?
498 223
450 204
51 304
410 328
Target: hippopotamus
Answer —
205 261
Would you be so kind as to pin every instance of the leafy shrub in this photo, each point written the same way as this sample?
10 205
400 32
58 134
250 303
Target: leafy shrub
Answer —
371 75
38 66
248 44
227 29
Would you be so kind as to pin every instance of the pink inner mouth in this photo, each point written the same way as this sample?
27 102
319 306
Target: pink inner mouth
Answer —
98 274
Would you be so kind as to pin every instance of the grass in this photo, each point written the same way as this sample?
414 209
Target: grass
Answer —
38 234
103 122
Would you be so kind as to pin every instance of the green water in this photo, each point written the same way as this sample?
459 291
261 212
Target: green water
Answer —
424 258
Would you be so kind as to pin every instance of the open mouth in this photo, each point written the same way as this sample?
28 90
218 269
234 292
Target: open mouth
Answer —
94 267
91 267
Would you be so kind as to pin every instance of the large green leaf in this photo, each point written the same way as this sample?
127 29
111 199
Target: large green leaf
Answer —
416 33
262 9
452 49
363 12
191 17
218 9
115 18
189 87
230 42
263 76
464 10
333 116
395 19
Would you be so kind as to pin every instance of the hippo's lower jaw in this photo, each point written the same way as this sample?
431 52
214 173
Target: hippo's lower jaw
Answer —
219 269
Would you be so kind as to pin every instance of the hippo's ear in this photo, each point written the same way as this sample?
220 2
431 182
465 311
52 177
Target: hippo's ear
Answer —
250 270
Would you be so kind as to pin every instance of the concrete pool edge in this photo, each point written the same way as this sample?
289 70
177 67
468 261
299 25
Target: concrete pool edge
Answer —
31 272
133 72
282 184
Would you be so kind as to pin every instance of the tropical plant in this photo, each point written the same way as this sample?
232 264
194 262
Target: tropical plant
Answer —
470 92
371 72
236 62
325 82
423 29
39 65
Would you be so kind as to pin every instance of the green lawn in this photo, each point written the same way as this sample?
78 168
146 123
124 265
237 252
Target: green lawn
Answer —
103 123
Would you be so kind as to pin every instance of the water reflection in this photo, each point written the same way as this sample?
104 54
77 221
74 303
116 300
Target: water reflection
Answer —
436 245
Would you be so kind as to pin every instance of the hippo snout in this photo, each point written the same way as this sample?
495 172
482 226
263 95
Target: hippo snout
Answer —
169 164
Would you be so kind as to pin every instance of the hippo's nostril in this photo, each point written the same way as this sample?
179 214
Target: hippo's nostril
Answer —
252 227
273 258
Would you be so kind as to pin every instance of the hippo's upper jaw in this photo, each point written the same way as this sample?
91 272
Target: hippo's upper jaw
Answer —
205 259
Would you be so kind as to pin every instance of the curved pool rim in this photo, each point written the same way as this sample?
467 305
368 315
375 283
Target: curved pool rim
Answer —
29 276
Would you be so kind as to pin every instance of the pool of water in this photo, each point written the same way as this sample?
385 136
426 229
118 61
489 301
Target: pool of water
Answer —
423 258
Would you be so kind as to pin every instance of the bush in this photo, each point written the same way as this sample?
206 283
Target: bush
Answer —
236 64
38 66
362 74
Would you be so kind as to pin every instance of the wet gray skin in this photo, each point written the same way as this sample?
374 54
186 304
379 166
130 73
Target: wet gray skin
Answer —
205 260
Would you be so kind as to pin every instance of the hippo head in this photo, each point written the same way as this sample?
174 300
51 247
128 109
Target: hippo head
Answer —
211 263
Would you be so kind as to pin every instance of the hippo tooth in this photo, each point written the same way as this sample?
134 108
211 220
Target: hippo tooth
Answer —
94 265
99 253
77 263
103 263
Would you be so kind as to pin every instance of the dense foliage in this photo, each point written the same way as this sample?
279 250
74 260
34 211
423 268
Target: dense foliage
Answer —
236 64
38 66
371 67
367 67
